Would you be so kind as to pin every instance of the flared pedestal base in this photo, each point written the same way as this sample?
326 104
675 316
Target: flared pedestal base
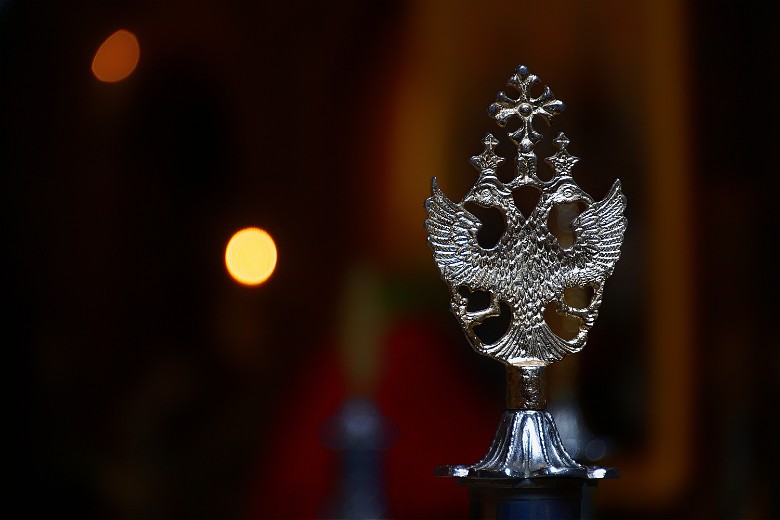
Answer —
526 473
526 446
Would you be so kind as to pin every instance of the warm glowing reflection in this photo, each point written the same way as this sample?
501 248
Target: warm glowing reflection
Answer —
250 256
117 57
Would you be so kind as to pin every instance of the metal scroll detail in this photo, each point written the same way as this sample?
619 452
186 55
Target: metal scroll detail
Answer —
528 268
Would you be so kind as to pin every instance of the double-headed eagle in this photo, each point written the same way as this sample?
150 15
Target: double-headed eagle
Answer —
528 268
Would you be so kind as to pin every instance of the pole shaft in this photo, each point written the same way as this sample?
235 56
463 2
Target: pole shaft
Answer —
559 503
525 387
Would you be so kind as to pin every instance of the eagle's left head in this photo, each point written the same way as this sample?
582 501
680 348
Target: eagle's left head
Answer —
488 192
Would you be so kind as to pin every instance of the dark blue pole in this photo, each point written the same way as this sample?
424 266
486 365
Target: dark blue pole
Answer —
558 499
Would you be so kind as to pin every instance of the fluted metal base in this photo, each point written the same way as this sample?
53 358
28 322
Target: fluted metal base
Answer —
526 446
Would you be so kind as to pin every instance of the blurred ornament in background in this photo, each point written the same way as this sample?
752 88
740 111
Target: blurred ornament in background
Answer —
360 434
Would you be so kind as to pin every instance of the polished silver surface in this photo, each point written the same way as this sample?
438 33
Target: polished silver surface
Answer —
525 388
527 270
526 445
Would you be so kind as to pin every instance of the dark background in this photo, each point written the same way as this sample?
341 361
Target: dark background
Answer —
153 386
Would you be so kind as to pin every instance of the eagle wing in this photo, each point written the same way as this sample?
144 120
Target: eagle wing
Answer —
451 235
599 230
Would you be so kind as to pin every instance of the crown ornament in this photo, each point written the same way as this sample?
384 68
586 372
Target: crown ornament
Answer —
526 271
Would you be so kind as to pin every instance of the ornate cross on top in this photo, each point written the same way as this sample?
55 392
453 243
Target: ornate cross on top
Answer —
526 108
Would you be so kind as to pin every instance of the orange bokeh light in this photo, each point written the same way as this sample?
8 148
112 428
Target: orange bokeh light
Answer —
250 256
117 57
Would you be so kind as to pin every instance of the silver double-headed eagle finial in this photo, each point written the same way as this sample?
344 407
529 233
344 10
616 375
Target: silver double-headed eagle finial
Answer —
526 271
528 268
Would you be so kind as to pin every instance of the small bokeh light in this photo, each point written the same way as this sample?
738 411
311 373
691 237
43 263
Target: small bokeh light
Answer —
117 57
250 256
